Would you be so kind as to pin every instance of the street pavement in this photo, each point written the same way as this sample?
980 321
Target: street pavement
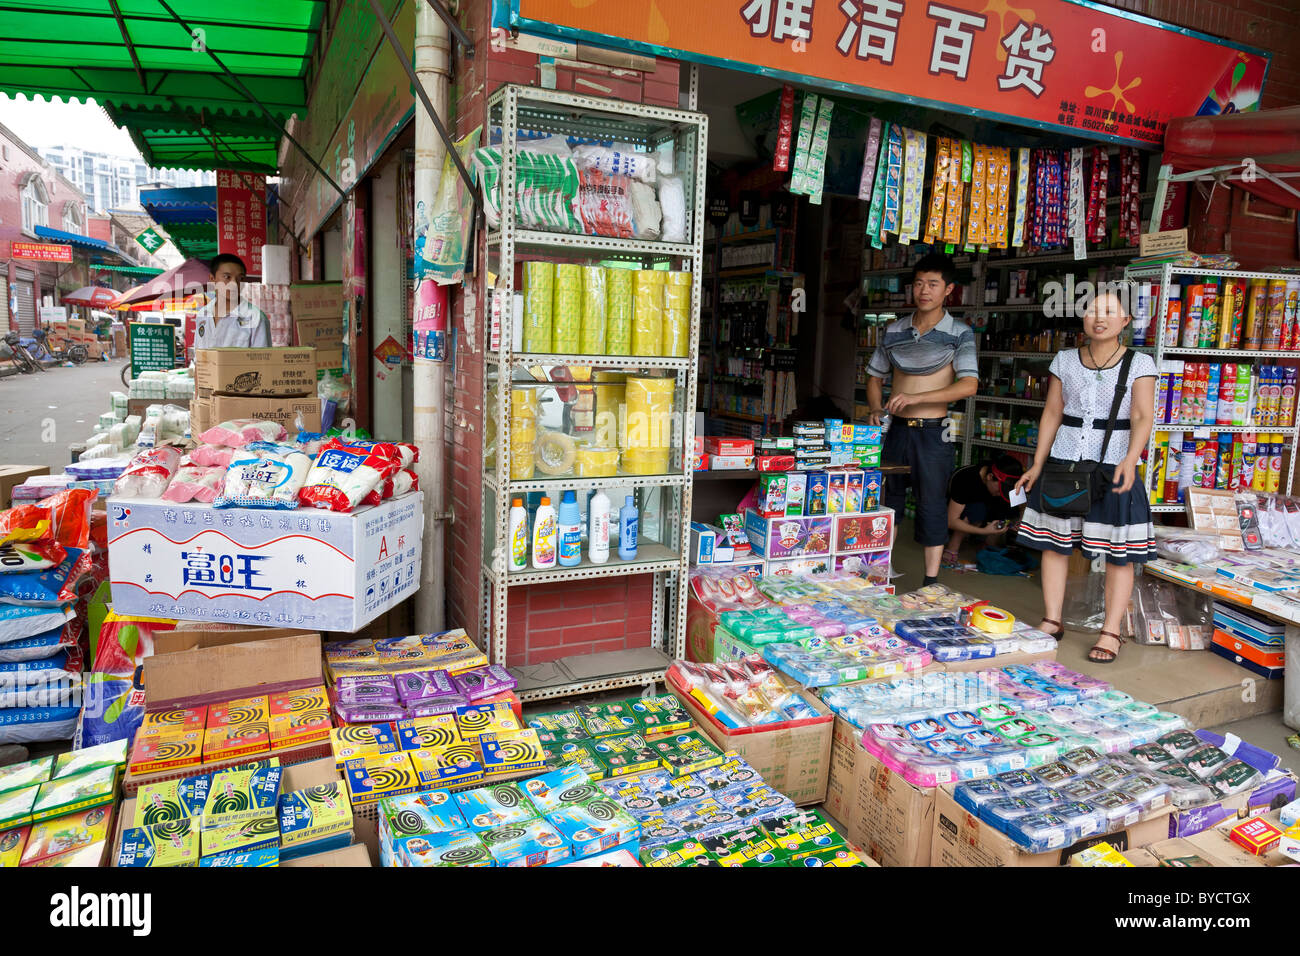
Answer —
42 413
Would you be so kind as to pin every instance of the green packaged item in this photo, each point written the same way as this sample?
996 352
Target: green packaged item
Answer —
566 312
751 846
16 806
111 754
679 853
687 752
539 298
594 298
610 720
625 754
619 301
19 776
78 792
803 833
803 142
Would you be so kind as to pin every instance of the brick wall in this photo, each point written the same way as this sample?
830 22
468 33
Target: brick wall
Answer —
1220 225
545 622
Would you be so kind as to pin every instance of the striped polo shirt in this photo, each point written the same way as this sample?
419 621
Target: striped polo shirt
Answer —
904 349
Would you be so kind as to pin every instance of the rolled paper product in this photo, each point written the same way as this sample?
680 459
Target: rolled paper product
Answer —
597 461
523 433
539 298
556 452
566 313
619 305
649 413
648 312
593 310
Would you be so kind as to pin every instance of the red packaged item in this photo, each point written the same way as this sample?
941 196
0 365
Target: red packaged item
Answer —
604 205
394 486
346 471
24 523
70 516
775 462
30 556
781 156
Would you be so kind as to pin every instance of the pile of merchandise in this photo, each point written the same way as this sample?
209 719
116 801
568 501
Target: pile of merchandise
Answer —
814 446
58 811
52 559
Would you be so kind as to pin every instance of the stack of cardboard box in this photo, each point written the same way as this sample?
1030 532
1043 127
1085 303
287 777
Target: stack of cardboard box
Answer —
269 384
73 332
317 309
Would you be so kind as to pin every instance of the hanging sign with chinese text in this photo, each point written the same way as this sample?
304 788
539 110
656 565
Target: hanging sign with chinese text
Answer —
241 217
1059 64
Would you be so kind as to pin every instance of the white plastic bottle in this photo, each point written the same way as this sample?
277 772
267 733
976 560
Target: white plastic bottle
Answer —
545 536
518 559
627 530
598 528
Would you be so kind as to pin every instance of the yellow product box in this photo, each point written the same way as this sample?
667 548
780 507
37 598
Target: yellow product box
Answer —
479 719
171 800
428 733
512 752
172 843
242 837
370 780
361 740
242 710
236 740
1099 854
299 717
172 722
447 766
82 791
12 843
243 793
316 813
155 752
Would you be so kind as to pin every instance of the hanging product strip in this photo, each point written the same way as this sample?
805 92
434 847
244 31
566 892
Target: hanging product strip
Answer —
869 161
958 173
876 213
1022 196
807 119
1097 194
781 159
913 186
938 191
893 182
821 142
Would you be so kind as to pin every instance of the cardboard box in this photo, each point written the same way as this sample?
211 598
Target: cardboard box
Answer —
871 531
299 776
960 839
1217 843
355 855
325 334
308 569
1279 789
281 371
777 538
879 811
11 476
794 760
295 414
729 446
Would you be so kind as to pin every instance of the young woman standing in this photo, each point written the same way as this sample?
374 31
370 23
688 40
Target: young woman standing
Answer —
1118 525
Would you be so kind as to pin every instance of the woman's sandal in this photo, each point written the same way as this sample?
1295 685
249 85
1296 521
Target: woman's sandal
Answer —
951 559
1098 649
1058 633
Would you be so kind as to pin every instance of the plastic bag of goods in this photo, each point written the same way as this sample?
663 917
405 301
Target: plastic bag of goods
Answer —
394 486
195 483
604 204
22 718
239 432
264 475
125 640
149 473
114 710
17 623
615 162
51 588
39 646
63 517
346 471
19 557
212 456
546 187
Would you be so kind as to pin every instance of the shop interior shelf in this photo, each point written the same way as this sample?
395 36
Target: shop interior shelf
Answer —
726 474
591 673
1012 262
1017 355
571 483
1010 400
565 240
745 271
650 557
603 361
1005 446
1268 429
1229 353
719 413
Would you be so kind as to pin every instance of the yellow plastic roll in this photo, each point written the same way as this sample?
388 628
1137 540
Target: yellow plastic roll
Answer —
611 392
593 310
619 304
523 433
597 461
992 620
646 461
677 314
649 420
648 312
539 297
566 313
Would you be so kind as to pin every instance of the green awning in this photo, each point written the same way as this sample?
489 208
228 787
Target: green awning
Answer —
152 71
195 240
142 271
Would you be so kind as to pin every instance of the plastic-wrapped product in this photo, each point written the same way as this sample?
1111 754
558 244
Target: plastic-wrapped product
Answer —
264 475
51 588
672 200
212 456
566 310
104 450
604 205
1204 761
346 471
239 432
39 647
24 725
195 483
639 166
17 623
1185 790
546 187
1235 776
63 517
647 215
21 557
149 473
394 486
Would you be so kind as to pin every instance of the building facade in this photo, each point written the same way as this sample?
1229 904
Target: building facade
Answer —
113 182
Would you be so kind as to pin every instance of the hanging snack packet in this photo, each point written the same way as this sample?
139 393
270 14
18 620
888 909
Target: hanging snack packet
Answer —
17 558
264 475
238 432
46 588
195 483
148 474
347 471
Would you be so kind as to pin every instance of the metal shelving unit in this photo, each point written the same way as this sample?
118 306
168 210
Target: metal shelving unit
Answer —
1164 275
514 108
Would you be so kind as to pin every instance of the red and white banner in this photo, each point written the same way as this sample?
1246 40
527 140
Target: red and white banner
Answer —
41 252
241 217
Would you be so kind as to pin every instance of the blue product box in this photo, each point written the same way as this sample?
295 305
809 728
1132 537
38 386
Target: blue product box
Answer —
267 856
559 788
492 807
595 826
532 843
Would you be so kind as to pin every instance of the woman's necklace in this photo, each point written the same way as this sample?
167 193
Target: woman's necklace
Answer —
1118 346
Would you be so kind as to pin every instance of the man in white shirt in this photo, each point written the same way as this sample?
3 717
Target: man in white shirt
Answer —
227 322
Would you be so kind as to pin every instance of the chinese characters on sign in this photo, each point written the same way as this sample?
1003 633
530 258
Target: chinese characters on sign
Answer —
41 251
241 217
986 57
153 347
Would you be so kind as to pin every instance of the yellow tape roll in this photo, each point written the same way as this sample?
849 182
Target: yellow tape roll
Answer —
992 620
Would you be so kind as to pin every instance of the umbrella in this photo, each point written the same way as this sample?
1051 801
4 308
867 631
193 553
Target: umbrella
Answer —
185 279
169 303
94 296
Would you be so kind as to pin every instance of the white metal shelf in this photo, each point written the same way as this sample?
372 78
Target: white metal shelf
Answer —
588 484
650 558
1233 429
603 361
568 240
1010 400
1230 353
1154 272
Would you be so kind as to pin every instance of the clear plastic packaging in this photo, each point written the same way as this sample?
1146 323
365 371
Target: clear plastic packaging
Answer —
212 456
264 475
1152 756
1205 760
346 471
1002 814
239 432
1055 774
148 474
1235 776
972 795
1120 808
195 483
1180 743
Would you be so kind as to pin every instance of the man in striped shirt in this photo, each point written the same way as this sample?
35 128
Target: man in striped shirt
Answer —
932 359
